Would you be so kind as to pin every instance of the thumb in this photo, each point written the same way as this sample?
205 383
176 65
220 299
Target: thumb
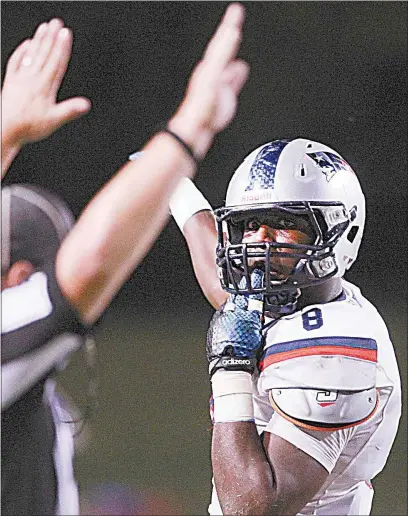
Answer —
69 110
255 302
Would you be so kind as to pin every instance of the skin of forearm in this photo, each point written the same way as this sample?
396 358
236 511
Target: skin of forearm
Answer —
119 225
201 236
242 474
10 147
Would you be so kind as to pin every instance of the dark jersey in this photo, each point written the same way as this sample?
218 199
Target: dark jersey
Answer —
39 330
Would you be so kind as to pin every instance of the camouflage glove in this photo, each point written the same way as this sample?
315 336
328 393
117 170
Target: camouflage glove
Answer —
234 336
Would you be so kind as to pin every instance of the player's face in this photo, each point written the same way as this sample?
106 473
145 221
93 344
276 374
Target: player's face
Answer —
279 228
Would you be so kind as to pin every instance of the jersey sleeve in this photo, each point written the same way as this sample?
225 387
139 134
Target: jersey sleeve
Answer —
322 446
33 313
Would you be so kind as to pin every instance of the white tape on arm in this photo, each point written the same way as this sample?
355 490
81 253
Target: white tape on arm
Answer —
232 395
185 201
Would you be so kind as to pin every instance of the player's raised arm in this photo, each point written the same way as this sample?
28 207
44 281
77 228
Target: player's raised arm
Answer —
120 224
30 111
194 216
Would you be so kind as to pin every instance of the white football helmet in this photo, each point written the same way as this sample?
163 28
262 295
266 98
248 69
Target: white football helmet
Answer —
303 178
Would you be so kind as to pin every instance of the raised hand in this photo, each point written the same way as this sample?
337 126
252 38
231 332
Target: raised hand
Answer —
212 93
234 337
30 111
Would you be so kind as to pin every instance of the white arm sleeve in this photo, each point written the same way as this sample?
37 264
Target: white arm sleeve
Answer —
325 447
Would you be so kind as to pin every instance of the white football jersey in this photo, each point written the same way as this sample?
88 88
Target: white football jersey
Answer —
316 359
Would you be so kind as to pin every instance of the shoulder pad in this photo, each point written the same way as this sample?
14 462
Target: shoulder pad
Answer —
324 410
323 363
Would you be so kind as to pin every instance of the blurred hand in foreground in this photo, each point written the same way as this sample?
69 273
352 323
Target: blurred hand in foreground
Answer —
34 72
212 93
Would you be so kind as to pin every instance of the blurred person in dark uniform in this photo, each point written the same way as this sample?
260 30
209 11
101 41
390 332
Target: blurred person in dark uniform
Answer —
58 276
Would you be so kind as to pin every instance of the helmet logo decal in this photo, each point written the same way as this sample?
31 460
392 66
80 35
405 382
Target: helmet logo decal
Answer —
263 169
329 163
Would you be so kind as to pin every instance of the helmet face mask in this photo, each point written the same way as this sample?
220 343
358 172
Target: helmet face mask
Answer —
314 262
299 180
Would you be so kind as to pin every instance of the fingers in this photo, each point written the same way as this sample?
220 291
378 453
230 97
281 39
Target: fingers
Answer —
224 45
58 59
47 53
17 56
37 50
69 110
46 36
28 63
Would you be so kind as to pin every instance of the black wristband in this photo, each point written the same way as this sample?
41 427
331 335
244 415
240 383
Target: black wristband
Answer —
231 363
186 147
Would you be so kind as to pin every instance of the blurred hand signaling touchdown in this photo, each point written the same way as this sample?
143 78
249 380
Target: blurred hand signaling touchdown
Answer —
30 111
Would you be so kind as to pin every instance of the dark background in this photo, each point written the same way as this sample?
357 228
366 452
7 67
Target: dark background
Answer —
330 71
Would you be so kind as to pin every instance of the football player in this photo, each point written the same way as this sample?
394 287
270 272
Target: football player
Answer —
306 395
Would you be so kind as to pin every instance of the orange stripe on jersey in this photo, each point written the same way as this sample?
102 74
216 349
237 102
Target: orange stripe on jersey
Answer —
363 354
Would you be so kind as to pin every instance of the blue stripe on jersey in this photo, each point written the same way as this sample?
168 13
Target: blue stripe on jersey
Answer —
351 342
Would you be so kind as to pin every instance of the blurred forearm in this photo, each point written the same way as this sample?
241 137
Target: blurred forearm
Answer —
119 226
123 220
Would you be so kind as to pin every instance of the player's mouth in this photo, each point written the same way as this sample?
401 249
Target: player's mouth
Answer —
259 263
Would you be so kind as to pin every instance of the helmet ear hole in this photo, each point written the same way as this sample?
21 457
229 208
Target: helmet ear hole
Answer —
351 235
